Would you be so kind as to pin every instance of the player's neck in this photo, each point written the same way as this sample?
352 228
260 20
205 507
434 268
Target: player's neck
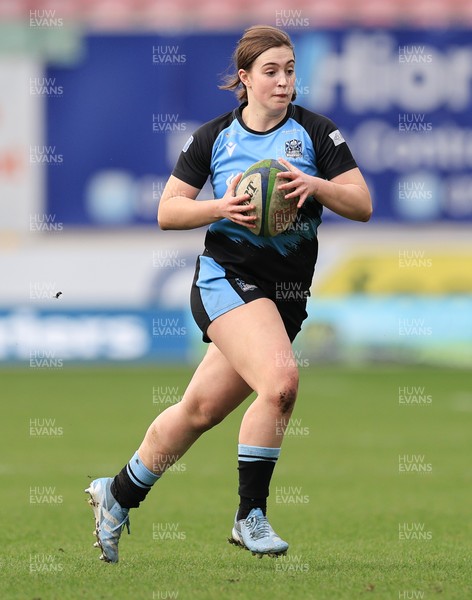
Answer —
258 119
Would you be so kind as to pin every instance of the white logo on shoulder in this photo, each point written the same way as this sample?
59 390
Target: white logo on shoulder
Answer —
187 144
230 146
337 137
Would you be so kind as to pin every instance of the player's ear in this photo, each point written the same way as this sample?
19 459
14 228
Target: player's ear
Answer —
243 77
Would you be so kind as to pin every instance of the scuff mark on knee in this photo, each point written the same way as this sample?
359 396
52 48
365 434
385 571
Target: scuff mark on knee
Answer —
286 401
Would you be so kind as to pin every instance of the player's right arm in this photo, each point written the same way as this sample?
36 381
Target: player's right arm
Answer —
178 208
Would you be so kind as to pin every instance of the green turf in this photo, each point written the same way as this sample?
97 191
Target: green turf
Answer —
337 494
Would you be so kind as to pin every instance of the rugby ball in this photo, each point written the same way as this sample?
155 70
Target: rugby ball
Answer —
275 214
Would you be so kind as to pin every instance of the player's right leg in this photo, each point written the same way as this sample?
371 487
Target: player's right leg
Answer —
110 518
214 391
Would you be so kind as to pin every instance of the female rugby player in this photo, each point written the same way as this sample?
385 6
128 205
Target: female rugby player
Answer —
234 298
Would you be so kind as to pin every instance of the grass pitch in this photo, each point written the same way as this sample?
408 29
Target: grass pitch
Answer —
372 491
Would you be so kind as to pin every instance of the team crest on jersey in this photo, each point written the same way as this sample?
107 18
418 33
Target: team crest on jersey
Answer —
293 149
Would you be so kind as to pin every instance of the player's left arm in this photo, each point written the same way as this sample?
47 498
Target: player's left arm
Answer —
346 194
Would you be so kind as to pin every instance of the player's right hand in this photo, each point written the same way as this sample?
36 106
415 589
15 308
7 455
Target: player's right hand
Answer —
236 208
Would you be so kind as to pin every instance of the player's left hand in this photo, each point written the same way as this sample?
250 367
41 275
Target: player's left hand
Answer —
298 183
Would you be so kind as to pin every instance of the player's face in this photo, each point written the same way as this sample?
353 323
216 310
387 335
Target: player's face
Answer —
271 79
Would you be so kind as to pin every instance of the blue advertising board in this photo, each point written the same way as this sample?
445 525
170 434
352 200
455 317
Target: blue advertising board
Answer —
402 99
43 338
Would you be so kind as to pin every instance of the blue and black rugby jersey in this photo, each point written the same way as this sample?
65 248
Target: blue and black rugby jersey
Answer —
224 147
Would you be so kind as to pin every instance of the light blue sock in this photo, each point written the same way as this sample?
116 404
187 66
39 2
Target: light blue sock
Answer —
139 474
255 453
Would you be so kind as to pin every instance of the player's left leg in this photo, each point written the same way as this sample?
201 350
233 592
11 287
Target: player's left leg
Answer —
254 340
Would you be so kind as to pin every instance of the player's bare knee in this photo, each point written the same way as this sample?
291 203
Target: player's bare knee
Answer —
287 397
286 401
283 393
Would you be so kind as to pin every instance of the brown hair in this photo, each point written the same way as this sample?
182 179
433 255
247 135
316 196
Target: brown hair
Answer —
255 41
